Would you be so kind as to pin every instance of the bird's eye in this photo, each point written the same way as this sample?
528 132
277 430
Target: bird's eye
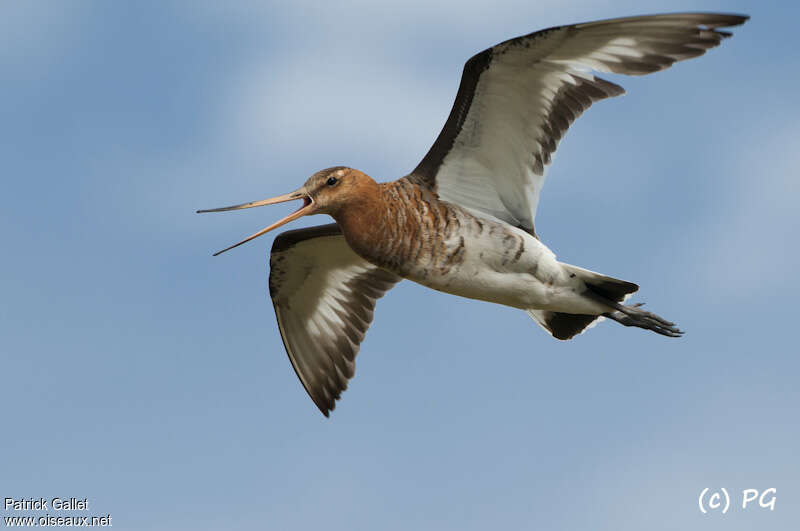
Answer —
332 181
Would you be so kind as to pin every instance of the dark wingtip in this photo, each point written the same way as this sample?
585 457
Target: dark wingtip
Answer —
725 20
325 406
732 20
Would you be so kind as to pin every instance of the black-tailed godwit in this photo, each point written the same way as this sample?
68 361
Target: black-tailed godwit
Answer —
462 221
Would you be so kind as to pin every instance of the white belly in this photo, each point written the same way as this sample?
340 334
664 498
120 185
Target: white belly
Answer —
506 265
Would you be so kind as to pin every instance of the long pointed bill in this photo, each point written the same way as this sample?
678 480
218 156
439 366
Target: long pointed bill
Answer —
306 208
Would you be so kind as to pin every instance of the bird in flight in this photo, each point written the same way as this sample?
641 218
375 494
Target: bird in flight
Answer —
462 222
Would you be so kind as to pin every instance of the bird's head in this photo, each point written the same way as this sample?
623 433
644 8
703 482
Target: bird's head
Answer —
332 189
325 192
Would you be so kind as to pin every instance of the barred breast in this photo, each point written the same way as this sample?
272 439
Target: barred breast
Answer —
445 247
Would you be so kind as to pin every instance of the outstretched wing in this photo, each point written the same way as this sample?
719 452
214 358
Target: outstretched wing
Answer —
517 99
324 295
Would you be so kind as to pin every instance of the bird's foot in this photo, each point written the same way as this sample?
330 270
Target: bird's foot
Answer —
633 316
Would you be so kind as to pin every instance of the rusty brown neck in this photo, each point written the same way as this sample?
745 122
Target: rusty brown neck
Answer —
363 219
397 225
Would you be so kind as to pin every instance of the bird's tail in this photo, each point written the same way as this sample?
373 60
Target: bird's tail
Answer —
610 292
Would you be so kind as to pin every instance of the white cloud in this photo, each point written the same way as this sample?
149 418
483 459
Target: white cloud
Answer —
365 59
334 107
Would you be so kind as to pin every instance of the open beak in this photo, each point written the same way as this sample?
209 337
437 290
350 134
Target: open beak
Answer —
306 208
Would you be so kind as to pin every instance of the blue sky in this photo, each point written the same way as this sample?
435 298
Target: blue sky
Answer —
150 378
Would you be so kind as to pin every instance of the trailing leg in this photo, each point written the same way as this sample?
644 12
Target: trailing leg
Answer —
633 316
